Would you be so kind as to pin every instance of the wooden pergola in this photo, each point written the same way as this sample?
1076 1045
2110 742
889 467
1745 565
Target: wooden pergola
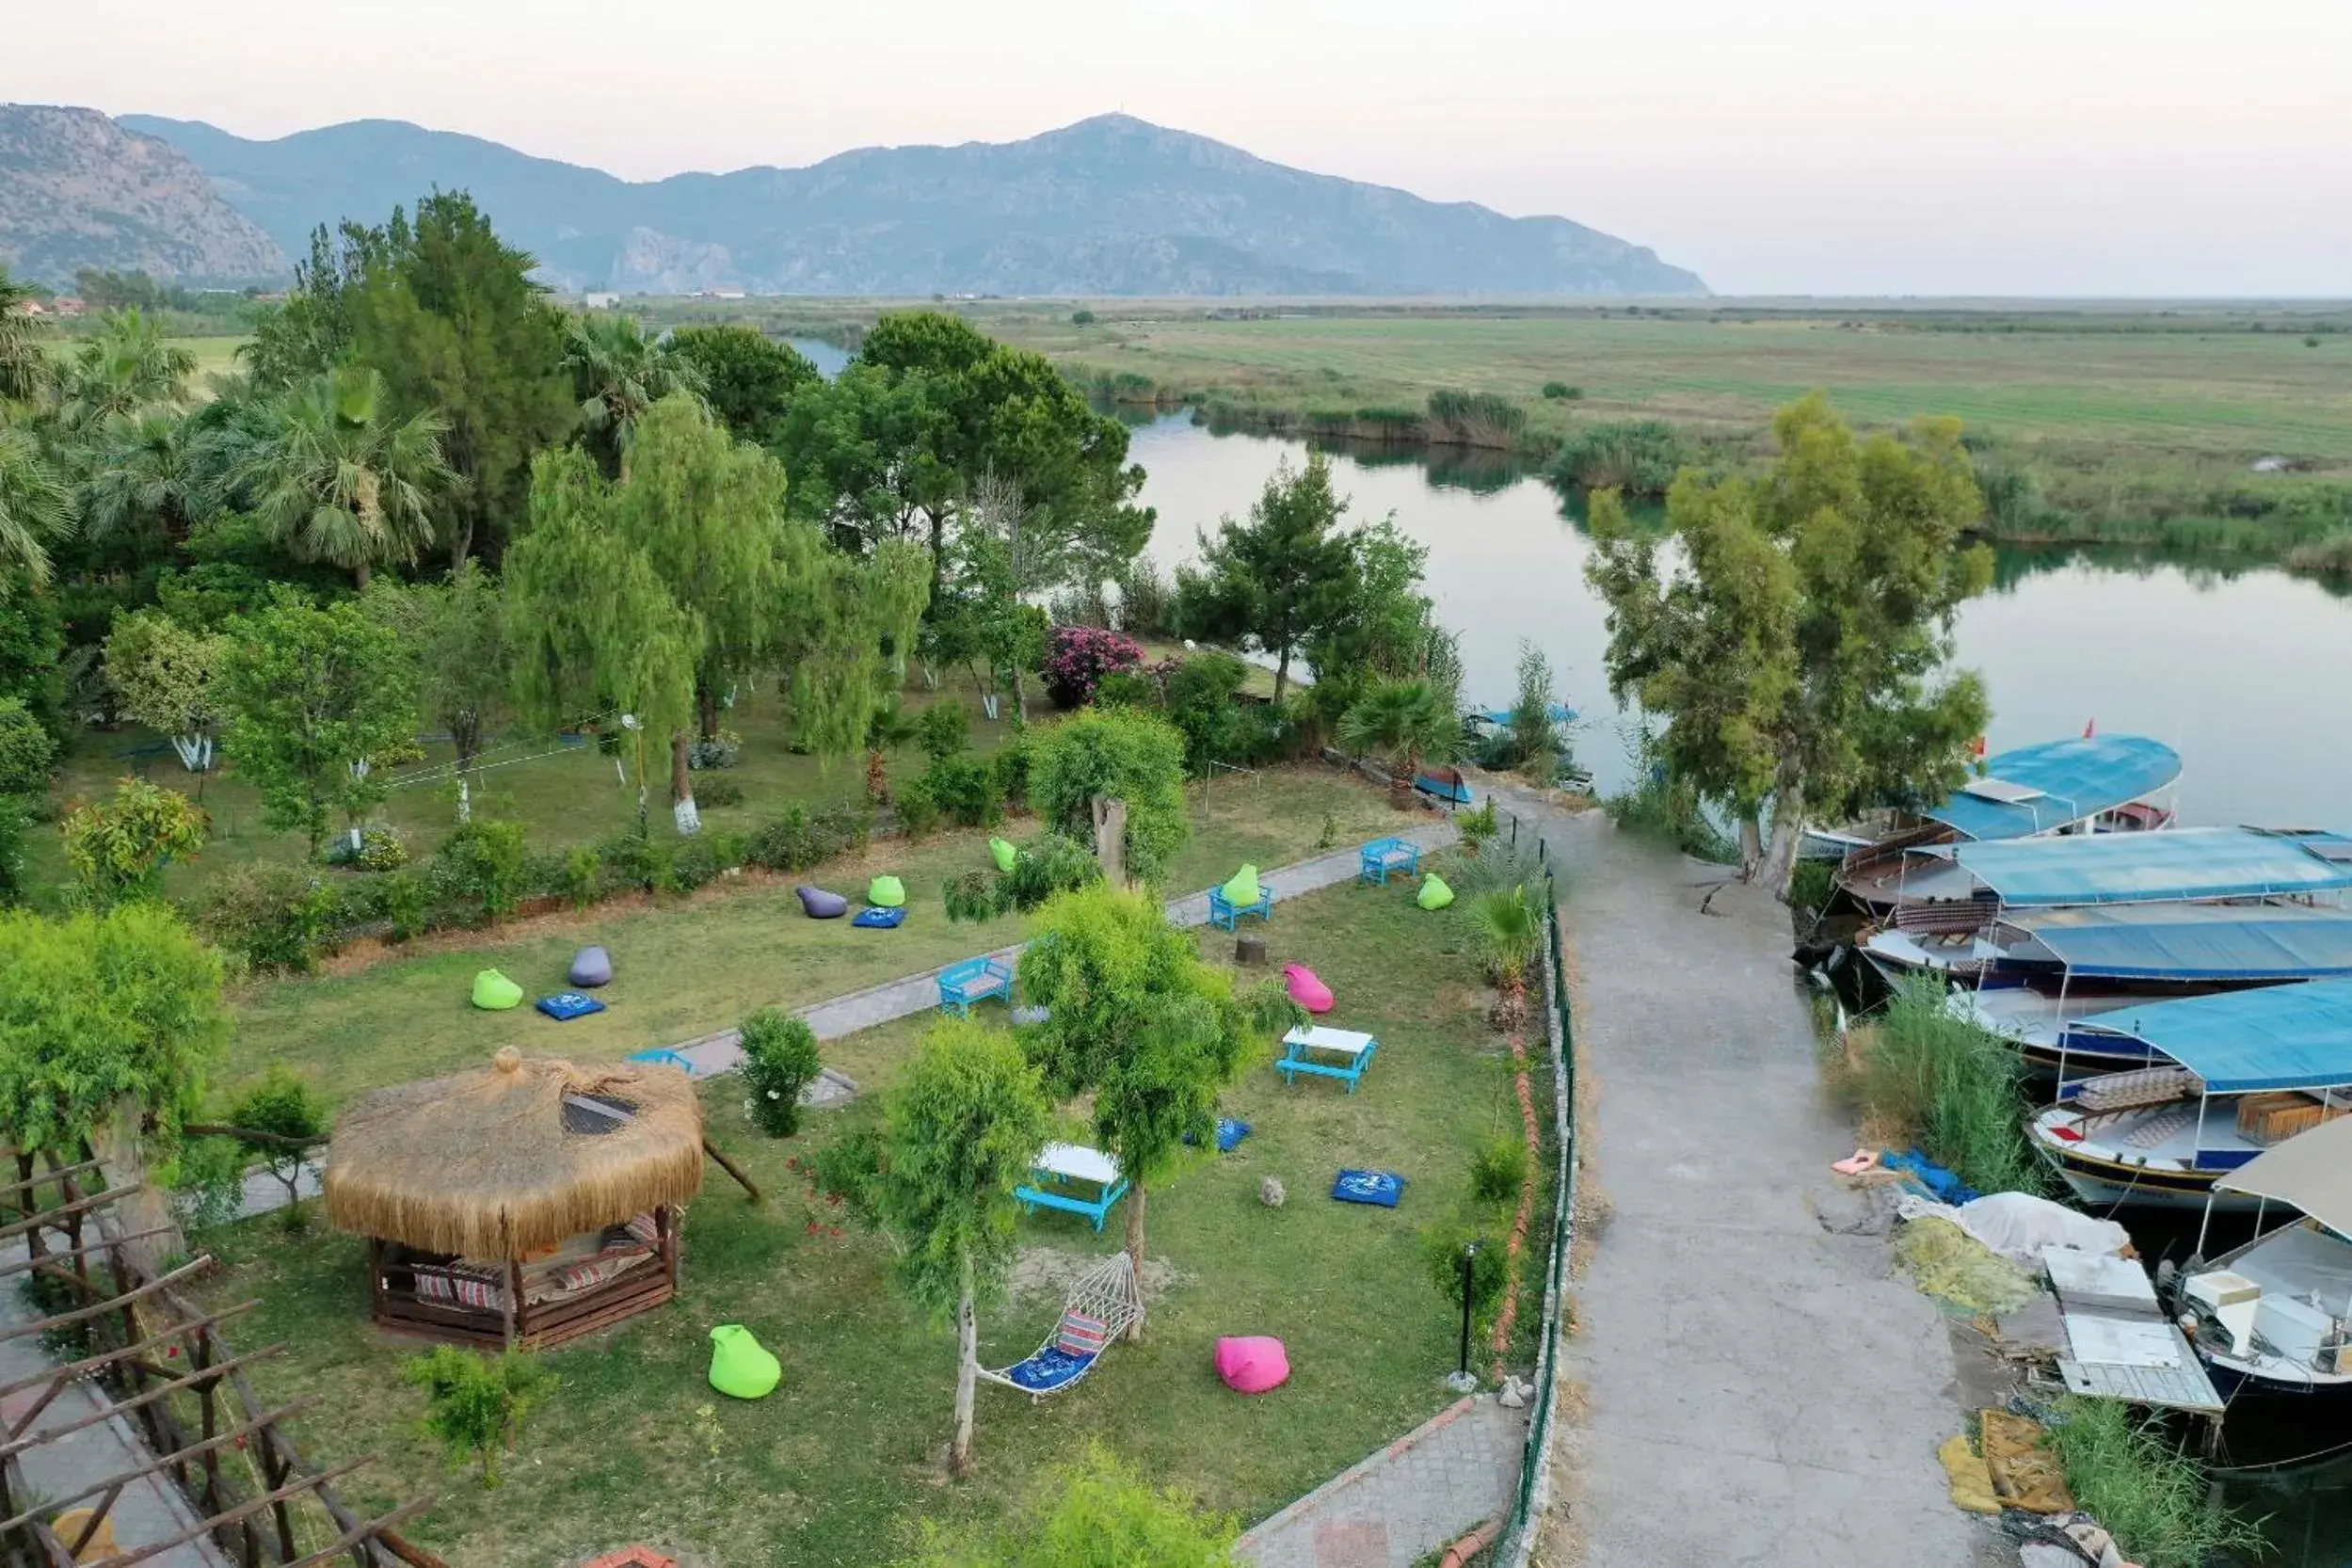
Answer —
156 1360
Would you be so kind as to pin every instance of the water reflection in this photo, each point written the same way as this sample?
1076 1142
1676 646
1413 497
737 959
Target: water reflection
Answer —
2236 665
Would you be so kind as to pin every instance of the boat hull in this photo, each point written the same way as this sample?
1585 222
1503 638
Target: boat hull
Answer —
2110 1184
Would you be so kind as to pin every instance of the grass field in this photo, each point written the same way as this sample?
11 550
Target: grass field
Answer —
833 1467
688 967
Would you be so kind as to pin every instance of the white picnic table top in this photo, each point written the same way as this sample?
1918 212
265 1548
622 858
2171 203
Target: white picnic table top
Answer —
1342 1042
1078 1162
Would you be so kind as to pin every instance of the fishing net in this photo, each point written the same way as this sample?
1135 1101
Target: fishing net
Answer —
1961 1272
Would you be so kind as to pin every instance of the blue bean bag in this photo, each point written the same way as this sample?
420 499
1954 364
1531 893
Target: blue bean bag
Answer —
818 904
565 1005
591 966
1379 1188
879 919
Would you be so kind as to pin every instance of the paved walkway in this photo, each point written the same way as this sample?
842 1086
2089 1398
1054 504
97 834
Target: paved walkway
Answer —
1429 1488
722 1052
1762 1392
150 1509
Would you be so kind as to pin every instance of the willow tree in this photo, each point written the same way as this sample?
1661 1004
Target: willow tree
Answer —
656 596
1795 639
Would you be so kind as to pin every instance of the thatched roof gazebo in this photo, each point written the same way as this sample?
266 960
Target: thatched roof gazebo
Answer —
524 1203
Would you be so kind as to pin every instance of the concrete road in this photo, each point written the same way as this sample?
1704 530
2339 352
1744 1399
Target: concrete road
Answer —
1761 1391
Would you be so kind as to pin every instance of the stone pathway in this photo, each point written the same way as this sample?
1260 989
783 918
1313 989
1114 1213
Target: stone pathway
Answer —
1431 1487
150 1509
710 1054
1759 1390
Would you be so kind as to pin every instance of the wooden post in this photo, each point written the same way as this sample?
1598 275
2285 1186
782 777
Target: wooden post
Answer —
376 1278
514 1300
666 1231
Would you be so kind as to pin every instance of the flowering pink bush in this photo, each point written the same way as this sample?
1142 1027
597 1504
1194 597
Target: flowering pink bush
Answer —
1079 658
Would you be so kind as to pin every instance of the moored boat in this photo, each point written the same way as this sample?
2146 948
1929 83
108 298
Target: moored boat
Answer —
2274 1316
2230 1075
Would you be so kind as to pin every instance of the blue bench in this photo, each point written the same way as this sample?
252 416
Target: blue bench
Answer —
1383 855
1224 912
1078 1163
974 980
1297 1046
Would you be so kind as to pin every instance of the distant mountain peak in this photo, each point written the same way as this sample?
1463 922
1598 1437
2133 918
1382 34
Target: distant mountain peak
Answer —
1111 204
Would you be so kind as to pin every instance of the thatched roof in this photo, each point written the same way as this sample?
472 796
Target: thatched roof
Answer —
520 1155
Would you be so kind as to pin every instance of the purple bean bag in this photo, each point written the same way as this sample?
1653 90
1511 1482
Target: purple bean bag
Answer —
591 966
818 904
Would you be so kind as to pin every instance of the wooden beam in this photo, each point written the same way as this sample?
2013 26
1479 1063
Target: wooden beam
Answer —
49 1258
20 1444
378 1530
111 1304
92 1363
230 1516
47 1176
48 1218
126 1477
252 1135
732 1169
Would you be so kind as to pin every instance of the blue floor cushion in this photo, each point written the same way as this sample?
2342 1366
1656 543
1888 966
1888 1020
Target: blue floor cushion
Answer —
1229 1132
565 1005
1048 1370
878 919
1383 1188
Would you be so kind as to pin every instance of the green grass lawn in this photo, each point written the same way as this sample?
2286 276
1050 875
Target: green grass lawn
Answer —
687 967
836 1466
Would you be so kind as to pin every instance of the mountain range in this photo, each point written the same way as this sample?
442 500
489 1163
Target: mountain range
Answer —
1111 205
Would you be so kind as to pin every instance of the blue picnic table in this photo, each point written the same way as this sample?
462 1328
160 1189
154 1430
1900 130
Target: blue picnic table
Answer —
1057 1163
1299 1048
1383 855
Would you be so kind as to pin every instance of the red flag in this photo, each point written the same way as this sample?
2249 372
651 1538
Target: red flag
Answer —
2090 730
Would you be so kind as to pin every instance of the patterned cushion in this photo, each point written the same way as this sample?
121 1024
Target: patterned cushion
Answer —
1081 1334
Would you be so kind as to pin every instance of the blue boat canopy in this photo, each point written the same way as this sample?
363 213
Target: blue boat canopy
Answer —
2195 941
1561 713
2278 1037
2149 867
2036 788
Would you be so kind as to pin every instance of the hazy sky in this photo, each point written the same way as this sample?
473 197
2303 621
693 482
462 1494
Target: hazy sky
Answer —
1809 146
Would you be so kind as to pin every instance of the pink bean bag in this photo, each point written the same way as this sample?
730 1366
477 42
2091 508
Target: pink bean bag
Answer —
1306 990
1253 1364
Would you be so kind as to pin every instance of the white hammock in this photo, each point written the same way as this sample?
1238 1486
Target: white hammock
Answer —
1106 1293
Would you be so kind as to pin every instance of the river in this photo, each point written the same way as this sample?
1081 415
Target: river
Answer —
2240 670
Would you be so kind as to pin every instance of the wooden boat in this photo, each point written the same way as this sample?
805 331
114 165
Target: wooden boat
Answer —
2274 1317
1442 783
2092 785
2230 1075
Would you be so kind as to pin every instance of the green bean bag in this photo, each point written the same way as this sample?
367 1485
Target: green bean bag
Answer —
741 1366
1242 890
886 892
1434 894
1002 853
494 993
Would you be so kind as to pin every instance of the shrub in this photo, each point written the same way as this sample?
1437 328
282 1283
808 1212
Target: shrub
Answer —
475 1404
1202 702
1081 318
1477 826
784 842
483 864
2327 556
780 1058
1146 598
717 792
721 751
584 868
943 730
118 848
642 861
1500 1169
272 917
1133 688
26 750
1048 864
1011 766
1475 419
842 826
1560 390
964 789
1442 1247
918 810
406 898
16 816
208 1183
281 1105
1639 456
1080 656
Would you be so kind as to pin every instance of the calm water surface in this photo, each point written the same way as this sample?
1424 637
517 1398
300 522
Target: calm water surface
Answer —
2244 673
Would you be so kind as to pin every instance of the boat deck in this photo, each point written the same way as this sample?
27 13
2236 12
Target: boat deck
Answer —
2149 1137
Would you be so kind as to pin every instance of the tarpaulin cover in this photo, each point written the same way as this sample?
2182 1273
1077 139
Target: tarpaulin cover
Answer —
2134 868
2312 1170
2278 1037
2195 941
2071 779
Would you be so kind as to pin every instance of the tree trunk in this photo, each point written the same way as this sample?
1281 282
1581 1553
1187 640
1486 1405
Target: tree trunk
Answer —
1282 672
1135 1247
466 735
878 778
683 787
1111 839
1020 696
118 1143
706 710
460 544
1751 847
1788 822
360 574
967 1383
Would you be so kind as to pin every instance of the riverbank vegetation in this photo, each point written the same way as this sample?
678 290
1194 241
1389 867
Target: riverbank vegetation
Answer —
2129 1474
1924 1075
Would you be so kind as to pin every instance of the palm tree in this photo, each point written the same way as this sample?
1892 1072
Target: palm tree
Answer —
1508 924
36 503
126 367
1404 721
618 374
335 478
146 471
24 365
